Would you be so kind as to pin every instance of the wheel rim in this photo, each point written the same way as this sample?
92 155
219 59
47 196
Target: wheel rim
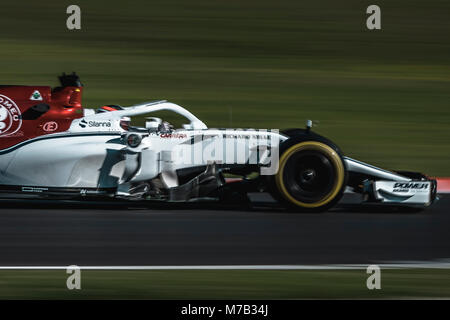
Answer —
310 175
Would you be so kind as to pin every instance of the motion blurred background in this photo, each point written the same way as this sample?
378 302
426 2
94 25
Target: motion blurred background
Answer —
382 95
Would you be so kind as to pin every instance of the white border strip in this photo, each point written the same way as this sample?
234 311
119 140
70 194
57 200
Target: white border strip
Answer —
424 265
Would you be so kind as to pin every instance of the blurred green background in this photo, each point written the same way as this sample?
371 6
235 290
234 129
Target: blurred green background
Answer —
382 95
226 284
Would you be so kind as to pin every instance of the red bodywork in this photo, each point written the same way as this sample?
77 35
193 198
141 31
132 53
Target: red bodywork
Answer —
30 111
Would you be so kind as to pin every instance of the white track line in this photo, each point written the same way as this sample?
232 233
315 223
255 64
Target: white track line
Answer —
425 265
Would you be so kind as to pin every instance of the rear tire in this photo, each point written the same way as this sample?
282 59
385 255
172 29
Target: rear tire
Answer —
311 176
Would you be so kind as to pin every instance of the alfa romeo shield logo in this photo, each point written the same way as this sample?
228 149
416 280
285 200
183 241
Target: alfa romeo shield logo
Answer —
10 120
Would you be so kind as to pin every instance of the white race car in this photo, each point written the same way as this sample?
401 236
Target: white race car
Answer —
53 148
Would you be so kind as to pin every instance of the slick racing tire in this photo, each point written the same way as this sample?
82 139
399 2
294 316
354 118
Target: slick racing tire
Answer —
311 175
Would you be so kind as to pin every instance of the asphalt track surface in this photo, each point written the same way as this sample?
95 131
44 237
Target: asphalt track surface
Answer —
45 234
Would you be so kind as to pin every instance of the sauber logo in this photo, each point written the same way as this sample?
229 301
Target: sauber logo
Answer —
10 119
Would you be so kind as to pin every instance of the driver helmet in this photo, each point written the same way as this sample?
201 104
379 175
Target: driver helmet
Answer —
125 123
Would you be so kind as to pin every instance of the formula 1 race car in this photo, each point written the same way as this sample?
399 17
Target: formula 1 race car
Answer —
51 147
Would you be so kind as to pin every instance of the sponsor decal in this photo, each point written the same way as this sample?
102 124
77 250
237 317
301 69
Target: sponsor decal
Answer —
50 126
394 196
408 186
34 189
173 135
96 124
244 136
99 124
36 96
85 192
10 119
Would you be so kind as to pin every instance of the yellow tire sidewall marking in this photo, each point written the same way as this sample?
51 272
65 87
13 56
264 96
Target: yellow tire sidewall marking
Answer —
317 146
